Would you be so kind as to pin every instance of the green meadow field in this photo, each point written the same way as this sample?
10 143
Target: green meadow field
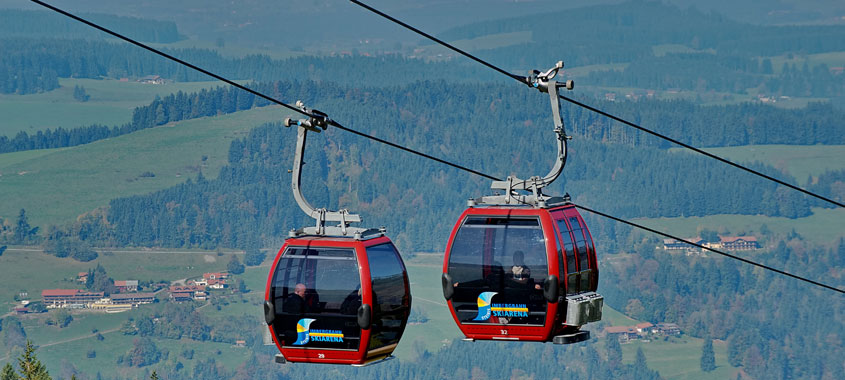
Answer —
55 186
111 103
800 161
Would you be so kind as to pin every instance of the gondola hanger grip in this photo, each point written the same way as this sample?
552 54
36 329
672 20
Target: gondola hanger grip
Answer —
317 122
542 81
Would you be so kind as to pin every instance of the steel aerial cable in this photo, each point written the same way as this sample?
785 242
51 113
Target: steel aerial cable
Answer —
525 81
170 57
258 93
460 167
766 267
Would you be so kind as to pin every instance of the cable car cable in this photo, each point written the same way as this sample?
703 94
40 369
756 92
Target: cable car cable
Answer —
170 57
478 173
257 93
708 248
525 81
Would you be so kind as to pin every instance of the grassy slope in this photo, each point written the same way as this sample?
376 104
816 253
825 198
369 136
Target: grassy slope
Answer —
56 186
111 103
824 226
801 161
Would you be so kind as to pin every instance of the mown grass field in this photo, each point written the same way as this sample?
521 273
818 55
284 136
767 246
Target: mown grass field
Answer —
490 41
680 358
800 161
111 103
55 186
832 59
824 226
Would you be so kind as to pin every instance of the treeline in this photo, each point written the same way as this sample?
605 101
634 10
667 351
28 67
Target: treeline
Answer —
174 107
249 202
702 126
454 361
711 126
703 72
26 23
626 33
830 184
33 65
716 297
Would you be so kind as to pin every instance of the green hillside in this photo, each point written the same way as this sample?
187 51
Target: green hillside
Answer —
800 161
111 103
55 186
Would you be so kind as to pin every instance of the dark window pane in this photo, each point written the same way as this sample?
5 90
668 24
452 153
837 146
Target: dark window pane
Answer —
580 243
315 316
391 304
499 262
568 246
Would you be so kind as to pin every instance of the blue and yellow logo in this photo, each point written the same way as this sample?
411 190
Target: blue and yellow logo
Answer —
486 308
304 334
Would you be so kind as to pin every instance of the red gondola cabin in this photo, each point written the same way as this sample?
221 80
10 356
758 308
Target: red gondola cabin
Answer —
522 273
337 300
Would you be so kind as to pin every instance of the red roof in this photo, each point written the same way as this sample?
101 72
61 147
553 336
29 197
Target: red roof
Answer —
82 274
644 325
190 288
59 292
215 275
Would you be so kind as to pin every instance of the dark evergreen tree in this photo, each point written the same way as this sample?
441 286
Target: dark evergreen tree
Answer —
235 266
708 357
29 366
79 94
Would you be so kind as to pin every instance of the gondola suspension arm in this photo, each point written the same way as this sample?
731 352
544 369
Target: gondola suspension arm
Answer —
317 122
544 82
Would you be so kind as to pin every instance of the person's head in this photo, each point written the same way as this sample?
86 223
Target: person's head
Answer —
299 290
518 258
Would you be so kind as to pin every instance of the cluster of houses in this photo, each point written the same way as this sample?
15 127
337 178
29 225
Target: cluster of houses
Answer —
728 243
126 295
80 299
632 95
195 290
641 331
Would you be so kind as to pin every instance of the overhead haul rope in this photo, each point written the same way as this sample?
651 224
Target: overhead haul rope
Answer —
525 81
317 114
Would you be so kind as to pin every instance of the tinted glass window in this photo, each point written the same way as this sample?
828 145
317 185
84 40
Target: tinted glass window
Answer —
580 243
498 265
568 246
391 301
314 293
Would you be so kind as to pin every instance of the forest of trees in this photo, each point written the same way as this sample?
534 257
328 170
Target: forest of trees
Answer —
764 317
704 72
245 205
30 65
626 32
44 23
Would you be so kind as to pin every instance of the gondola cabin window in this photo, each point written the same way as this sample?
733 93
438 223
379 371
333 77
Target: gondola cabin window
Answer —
498 265
316 294
391 303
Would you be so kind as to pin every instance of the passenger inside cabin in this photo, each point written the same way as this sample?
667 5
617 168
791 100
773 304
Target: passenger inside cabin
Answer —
520 273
